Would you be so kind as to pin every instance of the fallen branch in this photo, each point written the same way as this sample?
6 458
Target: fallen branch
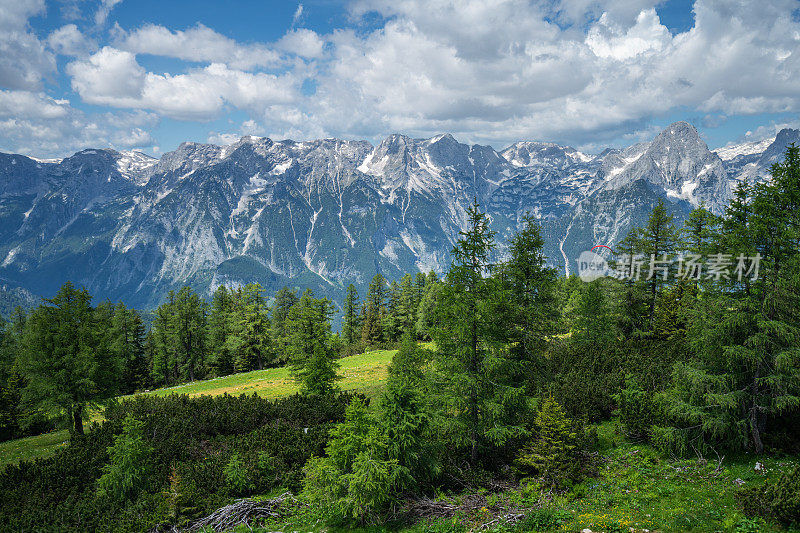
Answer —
245 512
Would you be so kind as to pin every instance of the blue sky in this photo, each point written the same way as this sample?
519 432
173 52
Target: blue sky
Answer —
148 75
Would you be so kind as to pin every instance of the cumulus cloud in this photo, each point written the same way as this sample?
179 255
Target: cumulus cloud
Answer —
495 71
24 60
113 77
199 44
104 10
35 124
492 71
31 105
69 41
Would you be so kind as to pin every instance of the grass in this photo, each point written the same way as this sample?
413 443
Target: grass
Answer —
29 448
364 373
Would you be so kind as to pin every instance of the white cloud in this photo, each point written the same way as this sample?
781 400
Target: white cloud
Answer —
104 10
113 77
31 105
578 71
109 77
68 40
608 40
24 61
298 14
35 124
199 44
302 42
496 71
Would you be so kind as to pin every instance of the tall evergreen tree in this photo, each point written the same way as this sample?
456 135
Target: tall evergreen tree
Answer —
466 348
745 331
351 320
65 363
285 299
655 245
313 362
127 338
219 329
249 340
372 333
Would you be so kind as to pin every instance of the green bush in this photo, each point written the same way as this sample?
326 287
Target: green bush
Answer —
636 410
237 478
774 499
128 470
356 479
551 455
193 441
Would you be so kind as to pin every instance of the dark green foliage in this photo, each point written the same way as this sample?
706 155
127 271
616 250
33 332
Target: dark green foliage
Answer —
312 360
636 409
374 312
65 363
779 500
285 299
351 319
357 478
129 466
744 333
551 455
193 441
179 338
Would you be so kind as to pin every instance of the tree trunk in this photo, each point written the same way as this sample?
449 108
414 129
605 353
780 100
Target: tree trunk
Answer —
755 430
77 421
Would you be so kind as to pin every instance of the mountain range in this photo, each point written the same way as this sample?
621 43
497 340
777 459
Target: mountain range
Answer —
330 212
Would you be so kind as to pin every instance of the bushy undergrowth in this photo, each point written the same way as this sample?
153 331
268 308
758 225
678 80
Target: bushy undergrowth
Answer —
779 499
201 451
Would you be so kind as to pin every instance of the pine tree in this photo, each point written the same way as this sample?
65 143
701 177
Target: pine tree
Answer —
130 463
408 305
551 453
127 334
351 320
464 322
372 333
392 325
530 310
65 364
655 244
249 341
312 361
191 315
745 331
220 357
285 299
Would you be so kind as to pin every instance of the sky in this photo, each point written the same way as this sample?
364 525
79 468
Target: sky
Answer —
148 75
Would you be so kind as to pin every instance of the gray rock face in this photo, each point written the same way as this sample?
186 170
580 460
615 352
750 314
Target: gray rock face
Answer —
325 213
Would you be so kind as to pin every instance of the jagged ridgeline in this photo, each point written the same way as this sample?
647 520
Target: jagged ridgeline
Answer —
326 213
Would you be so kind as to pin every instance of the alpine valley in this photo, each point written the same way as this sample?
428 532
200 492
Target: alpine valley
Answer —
326 213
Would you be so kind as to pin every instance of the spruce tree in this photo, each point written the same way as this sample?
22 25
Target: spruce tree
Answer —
351 319
66 365
745 331
312 361
372 332
655 244
468 348
285 299
219 321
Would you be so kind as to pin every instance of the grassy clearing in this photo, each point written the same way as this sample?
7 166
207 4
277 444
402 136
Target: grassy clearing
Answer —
364 373
28 448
